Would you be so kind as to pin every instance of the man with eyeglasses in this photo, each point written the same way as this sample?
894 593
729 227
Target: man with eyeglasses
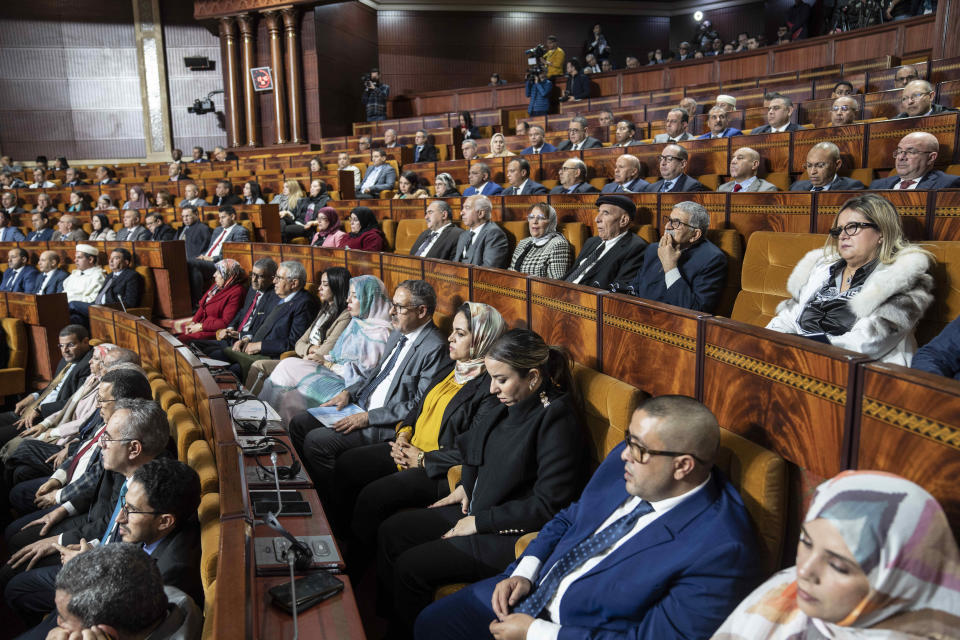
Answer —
480 184
656 521
614 254
577 138
416 352
684 269
917 100
573 178
845 110
676 125
744 164
779 110
914 159
439 239
673 164
823 162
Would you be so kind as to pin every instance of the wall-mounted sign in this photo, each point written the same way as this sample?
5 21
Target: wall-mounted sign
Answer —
262 79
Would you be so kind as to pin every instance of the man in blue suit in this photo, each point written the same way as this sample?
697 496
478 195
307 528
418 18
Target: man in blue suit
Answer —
518 178
717 122
50 278
479 177
914 159
19 277
659 545
379 177
684 269
8 232
626 176
537 145
42 231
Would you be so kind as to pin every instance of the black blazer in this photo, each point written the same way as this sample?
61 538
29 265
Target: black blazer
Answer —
703 273
583 187
427 154
840 184
578 86
231 199
164 234
524 463
178 558
531 188
472 400
445 248
196 238
589 143
267 302
638 185
933 180
766 128
683 183
285 324
619 264
71 383
98 512
128 284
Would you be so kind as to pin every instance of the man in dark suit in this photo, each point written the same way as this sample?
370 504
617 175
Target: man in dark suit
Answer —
626 134
626 176
203 266
105 176
479 177
8 204
50 278
416 352
573 178
158 514
42 231
20 276
423 149
195 234
671 527
159 230
72 370
439 240
823 162
283 326
614 254
717 123
518 177
779 111
673 165
914 159
122 286
917 100
132 230
71 178
577 137
537 146
483 243
223 195
379 177
684 269
8 232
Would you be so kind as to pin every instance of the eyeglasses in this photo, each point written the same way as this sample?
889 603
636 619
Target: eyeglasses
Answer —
104 401
913 97
852 228
908 152
567 169
673 223
257 276
669 159
841 107
402 307
536 218
106 440
126 510
642 454
819 166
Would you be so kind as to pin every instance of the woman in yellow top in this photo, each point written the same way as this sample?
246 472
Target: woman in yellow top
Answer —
376 481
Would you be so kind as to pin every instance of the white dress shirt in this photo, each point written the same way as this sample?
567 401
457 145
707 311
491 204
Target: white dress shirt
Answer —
83 286
432 241
379 396
607 245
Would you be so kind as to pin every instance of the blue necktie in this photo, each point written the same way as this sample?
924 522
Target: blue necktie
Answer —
578 554
368 390
109 534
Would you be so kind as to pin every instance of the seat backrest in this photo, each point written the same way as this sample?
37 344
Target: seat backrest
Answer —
17 344
407 232
608 405
768 262
729 241
576 234
389 228
649 233
761 478
946 297
149 287
516 231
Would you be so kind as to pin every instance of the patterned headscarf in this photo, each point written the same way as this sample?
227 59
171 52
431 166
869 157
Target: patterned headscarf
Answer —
231 272
102 349
364 339
899 535
486 325
331 215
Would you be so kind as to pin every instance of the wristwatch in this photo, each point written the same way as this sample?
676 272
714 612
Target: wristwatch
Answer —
420 459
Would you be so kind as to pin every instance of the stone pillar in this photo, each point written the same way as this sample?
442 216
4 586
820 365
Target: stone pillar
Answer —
291 24
279 80
228 52
151 63
248 35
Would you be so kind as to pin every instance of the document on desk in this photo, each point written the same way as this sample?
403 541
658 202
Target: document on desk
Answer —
252 409
329 416
212 362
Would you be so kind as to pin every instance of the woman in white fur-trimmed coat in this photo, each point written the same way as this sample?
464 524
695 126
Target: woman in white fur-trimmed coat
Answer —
865 290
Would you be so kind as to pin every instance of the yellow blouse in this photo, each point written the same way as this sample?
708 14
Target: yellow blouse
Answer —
426 434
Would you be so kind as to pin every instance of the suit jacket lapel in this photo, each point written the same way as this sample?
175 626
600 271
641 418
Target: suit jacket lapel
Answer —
408 358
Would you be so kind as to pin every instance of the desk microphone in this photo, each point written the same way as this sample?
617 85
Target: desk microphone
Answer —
302 553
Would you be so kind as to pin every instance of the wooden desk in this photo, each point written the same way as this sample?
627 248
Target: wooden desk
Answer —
337 617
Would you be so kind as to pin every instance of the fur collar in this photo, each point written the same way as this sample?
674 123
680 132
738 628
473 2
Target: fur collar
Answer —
886 280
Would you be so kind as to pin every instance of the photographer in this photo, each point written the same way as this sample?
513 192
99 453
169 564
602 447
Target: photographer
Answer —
374 96
538 90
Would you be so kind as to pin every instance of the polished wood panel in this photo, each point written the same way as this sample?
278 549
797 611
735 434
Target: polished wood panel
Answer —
946 215
505 290
363 263
850 140
774 150
883 137
567 314
770 211
451 281
397 268
912 206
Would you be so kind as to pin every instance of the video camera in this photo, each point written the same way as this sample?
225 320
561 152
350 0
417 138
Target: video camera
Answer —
534 66
368 82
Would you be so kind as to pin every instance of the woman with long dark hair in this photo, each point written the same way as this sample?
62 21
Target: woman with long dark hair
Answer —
467 130
101 227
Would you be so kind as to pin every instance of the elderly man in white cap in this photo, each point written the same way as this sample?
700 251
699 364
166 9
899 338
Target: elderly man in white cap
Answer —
729 103
84 283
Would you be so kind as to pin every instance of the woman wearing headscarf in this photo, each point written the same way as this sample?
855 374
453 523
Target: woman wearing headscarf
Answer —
445 186
322 334
138 199
545 253
218 305
308 383
365 232
378 480
330 232
498 147
876 559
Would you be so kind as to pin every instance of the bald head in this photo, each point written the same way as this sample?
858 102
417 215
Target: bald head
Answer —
626 169
917 98
685 425
744 163
916 154
48 261
845 110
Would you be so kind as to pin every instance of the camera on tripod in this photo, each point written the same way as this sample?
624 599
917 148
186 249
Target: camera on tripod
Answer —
534 67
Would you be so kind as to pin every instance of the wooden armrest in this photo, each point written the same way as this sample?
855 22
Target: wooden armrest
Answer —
522 542
288 354
453 476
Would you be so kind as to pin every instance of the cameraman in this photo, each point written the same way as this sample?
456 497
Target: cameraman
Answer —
538 90
374 96
554 58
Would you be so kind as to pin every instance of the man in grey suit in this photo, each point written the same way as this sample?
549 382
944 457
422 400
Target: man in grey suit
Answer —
379 177
132 230
626 176
677 122
69 230
577 137
779 110
483 243
203 266
744 164
823 161
518 177
439 239
415 354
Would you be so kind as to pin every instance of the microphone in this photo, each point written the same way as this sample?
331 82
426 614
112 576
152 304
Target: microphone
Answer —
276 481
301 552
122 306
